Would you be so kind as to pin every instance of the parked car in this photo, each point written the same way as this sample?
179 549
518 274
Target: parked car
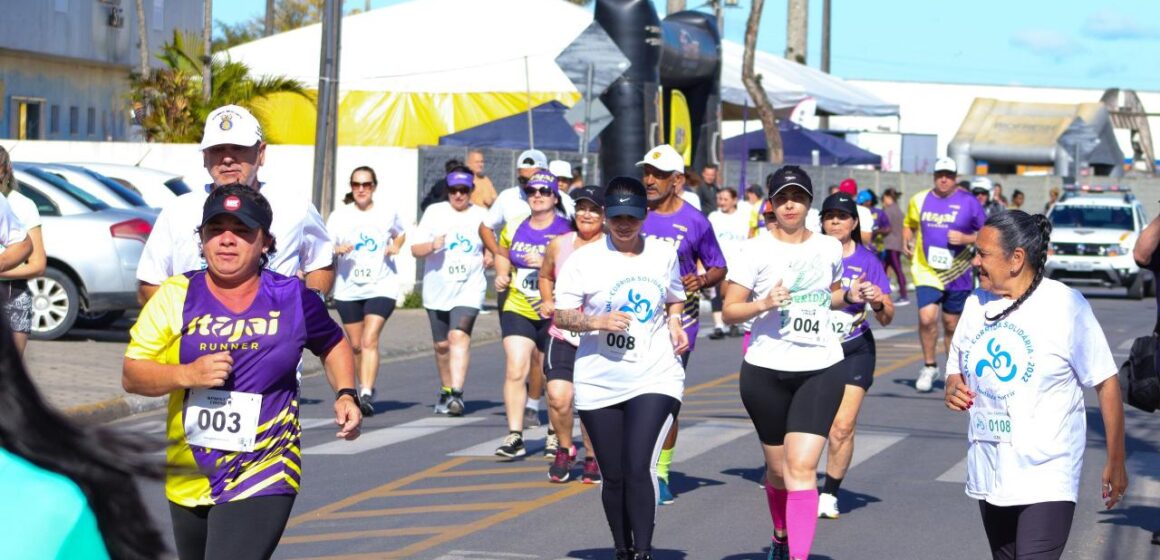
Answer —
92 250
155 186
1093 232
109 191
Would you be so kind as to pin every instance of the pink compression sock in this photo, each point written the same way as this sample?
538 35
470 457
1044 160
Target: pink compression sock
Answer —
776 499
801 508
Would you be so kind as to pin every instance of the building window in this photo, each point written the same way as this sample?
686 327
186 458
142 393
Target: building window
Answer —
91 125
27 118
74 120
54 119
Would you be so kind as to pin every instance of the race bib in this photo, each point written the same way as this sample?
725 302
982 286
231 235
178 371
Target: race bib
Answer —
365 265
455 269
939 258
990 425
841 323
224 420
628 346
806 324
528 281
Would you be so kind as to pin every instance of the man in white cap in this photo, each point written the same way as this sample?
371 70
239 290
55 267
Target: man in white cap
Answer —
563 172
675 221
939 229
232 150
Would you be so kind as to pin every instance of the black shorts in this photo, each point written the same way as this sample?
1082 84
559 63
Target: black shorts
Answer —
514 324
780 402
559 359
458 318
355 311
861 355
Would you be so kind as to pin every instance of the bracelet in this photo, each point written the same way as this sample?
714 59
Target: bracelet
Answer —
846 298
348 392
879 309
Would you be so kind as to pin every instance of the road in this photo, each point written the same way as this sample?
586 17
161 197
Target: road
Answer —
420 486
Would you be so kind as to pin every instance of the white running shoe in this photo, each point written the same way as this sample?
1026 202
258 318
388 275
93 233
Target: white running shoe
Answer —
925 380
827 506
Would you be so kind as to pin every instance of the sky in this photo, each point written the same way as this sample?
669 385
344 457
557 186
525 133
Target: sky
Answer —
1055 43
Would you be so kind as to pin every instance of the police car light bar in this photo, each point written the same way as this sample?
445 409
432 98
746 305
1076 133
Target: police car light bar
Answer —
1097 188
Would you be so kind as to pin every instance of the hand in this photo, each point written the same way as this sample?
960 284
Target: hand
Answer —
533 260
955 237
1115 482
502 281
343 249
778 296
488 259
438 242
208 371
392 250
856 293
617 321
547 309
679 337
871 293
692 282
959 397
348 417
907 243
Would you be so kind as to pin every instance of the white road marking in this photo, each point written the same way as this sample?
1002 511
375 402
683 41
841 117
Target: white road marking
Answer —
533 443
384 437
703 437
483 555
867 443
956 474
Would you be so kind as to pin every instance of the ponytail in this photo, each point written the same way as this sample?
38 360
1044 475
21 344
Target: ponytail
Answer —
1018 229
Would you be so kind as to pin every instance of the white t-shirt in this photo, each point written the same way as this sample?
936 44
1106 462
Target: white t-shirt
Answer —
453 276
692 198
1028 429
25 210
797 337
731 230
511 207
614 367
12 230
814 220
301 241
365 272
865 219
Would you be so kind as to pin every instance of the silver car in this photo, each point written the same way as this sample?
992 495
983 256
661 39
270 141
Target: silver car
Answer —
92 254
109 191
155 186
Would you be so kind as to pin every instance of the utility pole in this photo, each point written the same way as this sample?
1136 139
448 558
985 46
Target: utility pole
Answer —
326 129
207 52
269 28
824 121
795 30
142 40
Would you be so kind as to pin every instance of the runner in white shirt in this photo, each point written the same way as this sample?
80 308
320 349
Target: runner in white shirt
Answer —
233 150
367 236
731 224
1024 350
14 243
791 380
628 377
447 240
14 281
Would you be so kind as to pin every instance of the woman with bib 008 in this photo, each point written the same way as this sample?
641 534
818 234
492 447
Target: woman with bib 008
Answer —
852 326
791 382
367 236
625 296
224 344
1024 350
525 332
447 240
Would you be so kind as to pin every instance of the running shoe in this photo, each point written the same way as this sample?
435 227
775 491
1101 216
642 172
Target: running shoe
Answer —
665 497
717 334
366 403
622 554
778 550
455 406
646 555
901 302
827 506
441 404
591 474
735 332
513 446
531 418
561 469
551 444
925 380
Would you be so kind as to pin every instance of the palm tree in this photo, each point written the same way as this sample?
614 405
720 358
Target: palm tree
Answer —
168 102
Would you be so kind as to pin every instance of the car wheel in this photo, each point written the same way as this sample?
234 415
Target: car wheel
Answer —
55 304
1136 289
99 319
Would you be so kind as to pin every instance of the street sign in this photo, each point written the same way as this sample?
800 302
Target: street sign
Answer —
600 118
592 47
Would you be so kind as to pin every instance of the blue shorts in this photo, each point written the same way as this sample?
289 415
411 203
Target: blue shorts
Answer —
952 301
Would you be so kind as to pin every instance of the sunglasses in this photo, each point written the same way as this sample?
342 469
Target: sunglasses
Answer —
358 185
460 190
543 191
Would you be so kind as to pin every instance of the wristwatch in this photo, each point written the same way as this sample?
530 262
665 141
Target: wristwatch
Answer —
347 391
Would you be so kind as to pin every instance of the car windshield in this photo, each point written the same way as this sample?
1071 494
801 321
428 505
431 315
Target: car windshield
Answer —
1094 217
90 201
128 195
177 186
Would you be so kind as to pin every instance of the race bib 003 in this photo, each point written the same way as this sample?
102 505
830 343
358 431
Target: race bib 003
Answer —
224 420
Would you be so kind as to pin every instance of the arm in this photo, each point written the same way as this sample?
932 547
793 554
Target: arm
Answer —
36 262
908 242
339 365
488 237
960 238
677 334
145 291
737 308
576 321
503 271
152 379
396 245
548 279
1115 476
15 254
321 279
1147 242
420 250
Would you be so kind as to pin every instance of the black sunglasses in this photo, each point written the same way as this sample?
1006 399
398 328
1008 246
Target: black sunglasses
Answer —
544 191
459 190
367 185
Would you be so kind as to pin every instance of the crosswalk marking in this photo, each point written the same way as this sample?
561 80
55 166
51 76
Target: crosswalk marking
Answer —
705 436
867 443
478 555
956 474
390 436
533 443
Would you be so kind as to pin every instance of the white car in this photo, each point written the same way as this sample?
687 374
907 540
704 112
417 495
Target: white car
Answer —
155 186
1093 232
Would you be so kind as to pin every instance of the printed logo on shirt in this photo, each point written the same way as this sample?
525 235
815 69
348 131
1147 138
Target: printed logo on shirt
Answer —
939 219
638 296
461 244
806 273
230 330
999 358
367 243
639 307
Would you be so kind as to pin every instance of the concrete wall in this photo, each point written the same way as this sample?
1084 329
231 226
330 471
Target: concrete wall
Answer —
65 87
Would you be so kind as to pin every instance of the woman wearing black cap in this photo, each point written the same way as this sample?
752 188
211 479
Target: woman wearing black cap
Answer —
625 297
791 383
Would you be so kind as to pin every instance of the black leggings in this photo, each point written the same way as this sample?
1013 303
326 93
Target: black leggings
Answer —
240 530
629 436
781 402
1030 532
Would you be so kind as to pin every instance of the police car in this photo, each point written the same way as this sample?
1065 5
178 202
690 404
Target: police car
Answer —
1094 230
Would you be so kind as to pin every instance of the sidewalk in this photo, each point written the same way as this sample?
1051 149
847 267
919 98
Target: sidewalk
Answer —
81 374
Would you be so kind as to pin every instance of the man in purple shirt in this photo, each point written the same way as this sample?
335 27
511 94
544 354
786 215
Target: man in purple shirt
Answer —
671 220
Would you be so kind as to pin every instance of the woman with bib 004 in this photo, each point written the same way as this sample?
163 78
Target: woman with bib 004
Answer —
625 296
792 381
1024 350
367 236
525 332
224 344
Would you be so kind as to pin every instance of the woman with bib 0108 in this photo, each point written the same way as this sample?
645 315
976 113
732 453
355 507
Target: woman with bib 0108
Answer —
792 381
367 235
224 344
1025 349
624 296
525 332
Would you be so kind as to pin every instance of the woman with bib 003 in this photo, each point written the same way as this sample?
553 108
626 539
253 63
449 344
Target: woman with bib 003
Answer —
1025 349
625 296
792 381
525 332
367 236
224 344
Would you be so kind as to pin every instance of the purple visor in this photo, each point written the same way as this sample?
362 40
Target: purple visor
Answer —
542 178
460 179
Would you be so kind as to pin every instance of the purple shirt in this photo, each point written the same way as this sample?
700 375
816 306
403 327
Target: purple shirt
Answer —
881 220
935 217
689 231
860 262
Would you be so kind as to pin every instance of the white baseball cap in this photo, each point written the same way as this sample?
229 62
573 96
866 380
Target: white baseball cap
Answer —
946 164
231 124
664 158
537 160
982 183
560 168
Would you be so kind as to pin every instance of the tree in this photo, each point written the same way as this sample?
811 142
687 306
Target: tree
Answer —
168 103
753 86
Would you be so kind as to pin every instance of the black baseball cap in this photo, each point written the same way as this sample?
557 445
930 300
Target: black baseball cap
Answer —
591 193
840 201
789 176
251 209
625 196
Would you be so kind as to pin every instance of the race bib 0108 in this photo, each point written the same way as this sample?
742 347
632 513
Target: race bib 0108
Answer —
223 420
990 425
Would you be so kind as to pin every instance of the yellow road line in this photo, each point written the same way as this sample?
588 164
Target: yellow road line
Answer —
471 488
419 510
480 472
374 533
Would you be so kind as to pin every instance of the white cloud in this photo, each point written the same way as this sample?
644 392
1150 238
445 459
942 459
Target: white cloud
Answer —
1111 26
1047 43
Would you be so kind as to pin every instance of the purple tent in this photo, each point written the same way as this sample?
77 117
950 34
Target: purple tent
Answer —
799 143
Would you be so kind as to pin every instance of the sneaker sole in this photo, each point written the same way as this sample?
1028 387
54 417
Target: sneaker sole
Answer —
566 478
827 516
519 453
590 481
455 410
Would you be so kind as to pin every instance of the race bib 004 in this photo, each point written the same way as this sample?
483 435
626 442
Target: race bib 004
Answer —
224 420
806 324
